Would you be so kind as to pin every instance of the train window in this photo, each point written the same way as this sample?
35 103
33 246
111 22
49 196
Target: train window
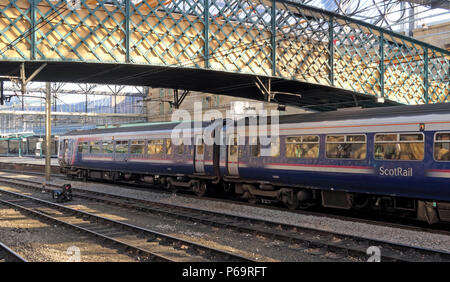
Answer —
234 149
180 147
275 147
107 147
346 147
200 147
94 147
121 147
155 147
306 147
442 147
137 147
255 146
168 146
399 146
83 147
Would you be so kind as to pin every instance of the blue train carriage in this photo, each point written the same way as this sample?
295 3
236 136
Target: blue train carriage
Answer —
144 153
393 159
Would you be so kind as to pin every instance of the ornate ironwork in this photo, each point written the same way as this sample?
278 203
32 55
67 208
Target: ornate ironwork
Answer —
261 37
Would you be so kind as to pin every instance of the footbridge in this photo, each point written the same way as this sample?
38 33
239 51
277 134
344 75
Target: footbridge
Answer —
271 50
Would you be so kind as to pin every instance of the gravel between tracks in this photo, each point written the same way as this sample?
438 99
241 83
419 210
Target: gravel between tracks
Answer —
420 239
40 242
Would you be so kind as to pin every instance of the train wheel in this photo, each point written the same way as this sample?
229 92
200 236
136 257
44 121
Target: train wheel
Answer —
201 189
292 205
168 185
291 202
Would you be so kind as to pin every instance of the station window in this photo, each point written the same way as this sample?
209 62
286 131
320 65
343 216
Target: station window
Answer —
137 147
155 147
442 147
346 147
399 146
94 147
107 147
83 147
302 147
168 146
121 147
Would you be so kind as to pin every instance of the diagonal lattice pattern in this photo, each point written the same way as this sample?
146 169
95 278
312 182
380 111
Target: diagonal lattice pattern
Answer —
269 38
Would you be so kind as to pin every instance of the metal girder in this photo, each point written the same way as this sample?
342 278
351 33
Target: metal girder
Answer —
434 4
276 39
178 100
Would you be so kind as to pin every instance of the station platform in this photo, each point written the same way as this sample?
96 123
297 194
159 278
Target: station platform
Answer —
29 164
27 160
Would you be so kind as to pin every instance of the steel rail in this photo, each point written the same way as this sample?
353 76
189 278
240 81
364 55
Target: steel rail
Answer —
311 237
10 255
209 253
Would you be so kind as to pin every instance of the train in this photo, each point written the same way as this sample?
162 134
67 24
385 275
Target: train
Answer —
389 159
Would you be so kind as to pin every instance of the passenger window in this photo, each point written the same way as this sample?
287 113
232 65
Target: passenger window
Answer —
94 147
234 147
180 147
121 147
442 147
399 146
302 147
200 147
168 146
107 147
83 147
275 147
346 147
137 147
155 147
255 146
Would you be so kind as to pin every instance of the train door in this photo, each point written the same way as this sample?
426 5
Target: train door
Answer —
233 156
65 151
199 154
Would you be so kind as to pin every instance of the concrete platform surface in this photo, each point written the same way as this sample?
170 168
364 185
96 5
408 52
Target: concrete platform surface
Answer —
27 160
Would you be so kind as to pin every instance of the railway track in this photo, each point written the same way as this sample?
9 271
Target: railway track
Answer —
360 217
147 244
8 255
324 243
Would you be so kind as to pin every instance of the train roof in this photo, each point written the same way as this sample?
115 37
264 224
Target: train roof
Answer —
366 113
348 114
158 126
